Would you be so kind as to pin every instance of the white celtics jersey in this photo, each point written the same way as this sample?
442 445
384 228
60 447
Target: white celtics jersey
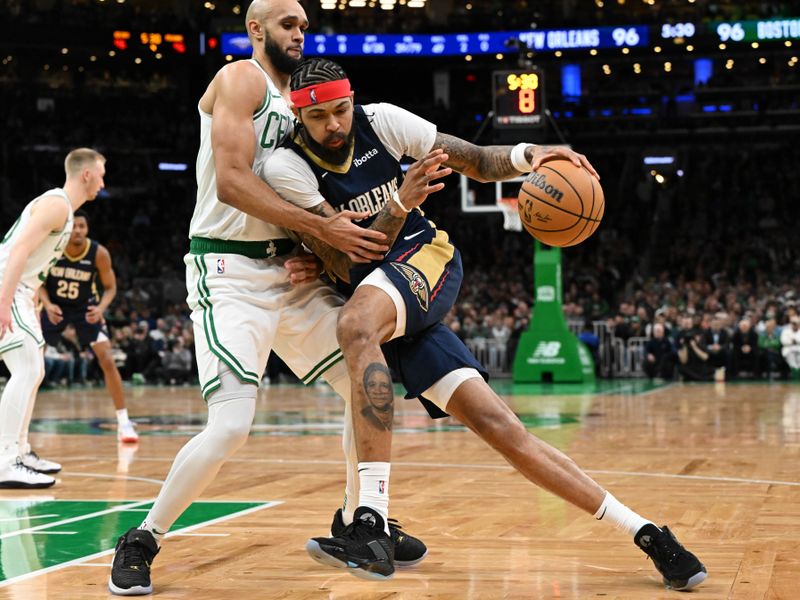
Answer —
272 122
49 251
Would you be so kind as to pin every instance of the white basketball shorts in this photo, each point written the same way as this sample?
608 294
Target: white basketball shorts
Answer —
24 319
242 308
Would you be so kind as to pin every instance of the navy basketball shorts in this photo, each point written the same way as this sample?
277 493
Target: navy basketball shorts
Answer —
88 333
422 359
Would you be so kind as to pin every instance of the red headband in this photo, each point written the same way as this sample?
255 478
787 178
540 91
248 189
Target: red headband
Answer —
321 92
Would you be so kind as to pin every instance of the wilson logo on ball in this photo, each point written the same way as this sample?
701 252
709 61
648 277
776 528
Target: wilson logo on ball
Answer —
540 181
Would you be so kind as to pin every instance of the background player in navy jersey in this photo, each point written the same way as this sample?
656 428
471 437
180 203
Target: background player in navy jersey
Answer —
344 156
70 296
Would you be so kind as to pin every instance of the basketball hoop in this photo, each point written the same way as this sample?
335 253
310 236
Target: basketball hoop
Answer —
511 221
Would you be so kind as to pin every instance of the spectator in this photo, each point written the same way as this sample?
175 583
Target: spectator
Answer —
717 343
769 345
176 363
790 343
659 358
693 357
744 352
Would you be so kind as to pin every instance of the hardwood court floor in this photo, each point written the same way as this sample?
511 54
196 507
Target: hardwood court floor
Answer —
719 464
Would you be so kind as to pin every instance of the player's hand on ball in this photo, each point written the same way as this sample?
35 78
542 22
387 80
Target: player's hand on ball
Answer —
93 314
421 177
54 314
303 268
540 154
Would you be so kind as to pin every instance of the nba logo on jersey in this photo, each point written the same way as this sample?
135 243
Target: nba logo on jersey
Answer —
381 486
220 266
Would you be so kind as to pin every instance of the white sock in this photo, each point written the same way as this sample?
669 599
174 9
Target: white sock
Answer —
620 515
374 488
122 416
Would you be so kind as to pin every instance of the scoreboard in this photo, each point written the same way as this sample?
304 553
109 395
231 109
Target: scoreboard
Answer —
455 44
518 98
537 40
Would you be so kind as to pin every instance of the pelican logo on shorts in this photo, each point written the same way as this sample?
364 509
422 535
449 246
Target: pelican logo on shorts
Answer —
540 181
313 95
416 282
220 266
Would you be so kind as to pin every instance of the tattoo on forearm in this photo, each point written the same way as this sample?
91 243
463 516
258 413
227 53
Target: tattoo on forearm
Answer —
337 261
334 260
387 223
487 163
379 406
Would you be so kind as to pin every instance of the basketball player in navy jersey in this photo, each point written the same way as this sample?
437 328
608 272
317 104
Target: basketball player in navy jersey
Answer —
346 157
70 296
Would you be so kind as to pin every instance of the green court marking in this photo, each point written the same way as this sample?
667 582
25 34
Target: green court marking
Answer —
38 536
538 406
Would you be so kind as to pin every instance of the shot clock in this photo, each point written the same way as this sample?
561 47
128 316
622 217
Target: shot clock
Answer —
518 98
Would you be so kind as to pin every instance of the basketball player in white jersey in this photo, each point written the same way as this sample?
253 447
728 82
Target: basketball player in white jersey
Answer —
243 303
33 244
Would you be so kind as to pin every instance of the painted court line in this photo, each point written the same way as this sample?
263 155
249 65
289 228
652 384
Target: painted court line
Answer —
699 478
83 559
53 532
424 465
27 518
202 534
74 519
114 476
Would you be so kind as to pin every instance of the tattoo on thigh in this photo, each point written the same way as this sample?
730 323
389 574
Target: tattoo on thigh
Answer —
379 409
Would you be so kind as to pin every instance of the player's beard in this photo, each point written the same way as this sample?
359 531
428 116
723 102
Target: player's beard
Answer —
335 156
282 61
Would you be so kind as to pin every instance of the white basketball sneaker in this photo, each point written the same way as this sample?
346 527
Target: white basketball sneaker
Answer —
33 461
126 433
15 475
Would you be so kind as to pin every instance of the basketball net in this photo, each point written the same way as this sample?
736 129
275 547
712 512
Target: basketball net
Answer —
511 221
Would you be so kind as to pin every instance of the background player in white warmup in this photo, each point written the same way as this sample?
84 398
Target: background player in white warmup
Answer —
70 296
243 303
33 244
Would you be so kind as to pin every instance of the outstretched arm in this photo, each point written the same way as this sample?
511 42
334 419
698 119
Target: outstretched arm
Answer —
496 163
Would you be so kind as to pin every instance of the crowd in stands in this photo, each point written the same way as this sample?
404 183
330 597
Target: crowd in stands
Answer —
711 248
459 15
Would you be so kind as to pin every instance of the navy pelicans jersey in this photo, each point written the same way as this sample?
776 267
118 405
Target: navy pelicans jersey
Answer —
422 264
72 281
422 258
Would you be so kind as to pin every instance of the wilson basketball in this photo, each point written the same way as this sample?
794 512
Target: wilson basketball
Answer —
560 204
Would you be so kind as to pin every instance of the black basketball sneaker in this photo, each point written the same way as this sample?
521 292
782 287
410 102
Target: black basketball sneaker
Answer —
680 568
362 547
130 571
408 550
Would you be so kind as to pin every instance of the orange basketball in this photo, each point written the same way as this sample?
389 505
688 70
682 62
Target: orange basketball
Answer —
560 204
